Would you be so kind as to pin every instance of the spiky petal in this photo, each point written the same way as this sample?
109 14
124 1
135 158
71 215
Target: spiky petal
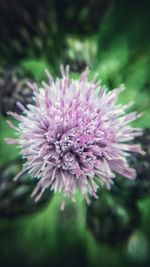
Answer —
75 136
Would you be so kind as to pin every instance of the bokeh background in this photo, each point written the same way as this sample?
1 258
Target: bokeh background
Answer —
112 37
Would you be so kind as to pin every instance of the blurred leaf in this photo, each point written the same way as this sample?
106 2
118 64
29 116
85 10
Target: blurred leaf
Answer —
35 66
7 152
137 247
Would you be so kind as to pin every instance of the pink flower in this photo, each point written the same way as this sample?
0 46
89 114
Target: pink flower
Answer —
75 136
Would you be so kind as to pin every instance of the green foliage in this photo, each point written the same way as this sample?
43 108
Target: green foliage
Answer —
7 153
35 66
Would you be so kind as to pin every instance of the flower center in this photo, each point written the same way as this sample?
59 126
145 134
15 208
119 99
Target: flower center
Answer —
69 148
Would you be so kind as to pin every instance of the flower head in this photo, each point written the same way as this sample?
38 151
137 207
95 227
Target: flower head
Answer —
75 136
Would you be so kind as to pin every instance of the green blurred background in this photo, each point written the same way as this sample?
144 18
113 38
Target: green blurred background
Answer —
112 37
